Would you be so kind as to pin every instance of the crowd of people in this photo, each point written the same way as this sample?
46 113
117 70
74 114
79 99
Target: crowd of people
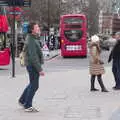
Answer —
34 60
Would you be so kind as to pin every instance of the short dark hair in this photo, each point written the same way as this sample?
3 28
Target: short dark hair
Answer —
113 34
117 33
31 26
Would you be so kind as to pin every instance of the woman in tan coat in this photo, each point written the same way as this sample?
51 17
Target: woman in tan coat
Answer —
96 65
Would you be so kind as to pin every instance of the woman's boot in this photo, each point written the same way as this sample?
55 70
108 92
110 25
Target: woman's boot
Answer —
103 89
93 84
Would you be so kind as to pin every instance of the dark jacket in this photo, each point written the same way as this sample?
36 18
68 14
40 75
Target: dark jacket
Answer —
34 55
115 53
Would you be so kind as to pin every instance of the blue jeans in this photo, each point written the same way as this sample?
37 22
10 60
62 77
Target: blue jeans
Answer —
29 92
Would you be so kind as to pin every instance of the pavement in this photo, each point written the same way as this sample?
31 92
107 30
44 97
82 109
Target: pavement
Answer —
52 54
61 96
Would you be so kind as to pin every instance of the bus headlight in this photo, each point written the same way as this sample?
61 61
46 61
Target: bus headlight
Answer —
62 41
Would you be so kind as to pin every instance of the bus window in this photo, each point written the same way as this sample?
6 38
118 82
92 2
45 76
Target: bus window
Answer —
73 21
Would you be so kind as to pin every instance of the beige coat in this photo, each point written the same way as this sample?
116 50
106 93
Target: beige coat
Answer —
96 68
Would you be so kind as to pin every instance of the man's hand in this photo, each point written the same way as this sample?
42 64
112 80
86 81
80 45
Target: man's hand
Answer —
41 73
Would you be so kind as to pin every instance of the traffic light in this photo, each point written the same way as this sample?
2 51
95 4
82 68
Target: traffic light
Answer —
15 2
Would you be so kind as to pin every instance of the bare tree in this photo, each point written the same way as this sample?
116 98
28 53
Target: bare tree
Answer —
44 11
48 11
93 13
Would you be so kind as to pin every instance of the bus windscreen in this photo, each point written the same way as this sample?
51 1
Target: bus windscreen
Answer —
73 35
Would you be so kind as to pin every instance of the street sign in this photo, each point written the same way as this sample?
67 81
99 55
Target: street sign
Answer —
17 11
15 2
26 3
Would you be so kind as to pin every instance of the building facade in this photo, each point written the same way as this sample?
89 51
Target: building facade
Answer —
105 23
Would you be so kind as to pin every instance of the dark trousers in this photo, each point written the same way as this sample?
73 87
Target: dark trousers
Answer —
116 72
29 92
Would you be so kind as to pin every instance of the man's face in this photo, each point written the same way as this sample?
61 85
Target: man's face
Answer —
117 37
36 29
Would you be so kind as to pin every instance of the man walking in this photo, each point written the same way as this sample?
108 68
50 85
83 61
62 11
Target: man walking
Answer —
115 55
33 61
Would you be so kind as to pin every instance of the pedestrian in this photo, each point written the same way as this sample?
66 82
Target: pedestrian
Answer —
112 41
33 62
115 56
96 65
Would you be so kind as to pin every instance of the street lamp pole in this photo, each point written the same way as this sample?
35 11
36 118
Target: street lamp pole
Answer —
48 20
13 42
48 15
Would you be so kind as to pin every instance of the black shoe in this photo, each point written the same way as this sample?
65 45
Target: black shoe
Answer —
113 87
104 90
20 104
116 88
94 89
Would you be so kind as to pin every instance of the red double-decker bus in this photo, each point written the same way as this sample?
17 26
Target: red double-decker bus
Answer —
73 35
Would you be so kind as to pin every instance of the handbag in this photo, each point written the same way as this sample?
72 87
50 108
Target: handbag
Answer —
22 58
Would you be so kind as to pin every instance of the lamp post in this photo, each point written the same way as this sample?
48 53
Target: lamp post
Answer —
48 15
48 4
